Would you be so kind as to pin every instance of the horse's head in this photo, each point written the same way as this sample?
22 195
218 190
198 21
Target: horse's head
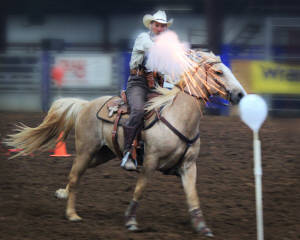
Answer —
211 77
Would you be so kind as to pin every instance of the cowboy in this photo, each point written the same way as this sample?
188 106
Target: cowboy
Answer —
141 81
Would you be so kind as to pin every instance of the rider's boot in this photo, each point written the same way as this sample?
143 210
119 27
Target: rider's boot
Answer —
127 162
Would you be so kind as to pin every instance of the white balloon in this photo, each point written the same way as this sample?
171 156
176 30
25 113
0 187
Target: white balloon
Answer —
253 111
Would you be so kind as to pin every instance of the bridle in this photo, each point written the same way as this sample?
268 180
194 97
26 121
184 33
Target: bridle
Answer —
206 67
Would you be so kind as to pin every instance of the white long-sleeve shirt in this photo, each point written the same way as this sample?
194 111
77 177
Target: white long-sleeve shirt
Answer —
141 47
142 44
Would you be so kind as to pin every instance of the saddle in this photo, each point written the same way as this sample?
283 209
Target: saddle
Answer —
114 108
116 111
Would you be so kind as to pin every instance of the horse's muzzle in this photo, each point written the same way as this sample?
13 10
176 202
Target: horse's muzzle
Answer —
235 97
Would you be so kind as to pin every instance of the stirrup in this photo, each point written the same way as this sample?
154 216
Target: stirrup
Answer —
125 159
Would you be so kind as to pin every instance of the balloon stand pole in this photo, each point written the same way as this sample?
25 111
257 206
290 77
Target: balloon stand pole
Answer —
253 112
59 92
258 184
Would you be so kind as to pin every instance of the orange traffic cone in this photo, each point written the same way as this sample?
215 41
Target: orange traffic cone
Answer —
60 149
15 150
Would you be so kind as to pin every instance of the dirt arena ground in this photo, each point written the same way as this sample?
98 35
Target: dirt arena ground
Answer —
29 210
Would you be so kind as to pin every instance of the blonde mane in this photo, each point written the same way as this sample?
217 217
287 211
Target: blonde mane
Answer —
166 97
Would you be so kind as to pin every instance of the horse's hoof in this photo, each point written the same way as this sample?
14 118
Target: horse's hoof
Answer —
209 234
131 224
203 229
61 193
133 228
74 218
206 232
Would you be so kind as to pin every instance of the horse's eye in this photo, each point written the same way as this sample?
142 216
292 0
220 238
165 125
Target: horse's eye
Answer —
219 73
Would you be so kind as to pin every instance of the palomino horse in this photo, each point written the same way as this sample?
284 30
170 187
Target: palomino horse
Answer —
163 148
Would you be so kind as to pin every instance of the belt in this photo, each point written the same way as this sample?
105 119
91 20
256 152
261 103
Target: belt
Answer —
137 72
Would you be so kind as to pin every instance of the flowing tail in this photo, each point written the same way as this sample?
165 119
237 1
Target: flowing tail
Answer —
60 118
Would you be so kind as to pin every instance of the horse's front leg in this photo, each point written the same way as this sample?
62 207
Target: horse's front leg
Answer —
188 177
130 214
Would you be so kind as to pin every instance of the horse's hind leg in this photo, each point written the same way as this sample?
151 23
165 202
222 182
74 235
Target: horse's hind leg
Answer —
79 166
188 177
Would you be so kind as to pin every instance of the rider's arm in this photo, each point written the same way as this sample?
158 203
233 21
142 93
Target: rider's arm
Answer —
143 43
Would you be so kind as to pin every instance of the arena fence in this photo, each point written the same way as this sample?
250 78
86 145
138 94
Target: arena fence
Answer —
26 83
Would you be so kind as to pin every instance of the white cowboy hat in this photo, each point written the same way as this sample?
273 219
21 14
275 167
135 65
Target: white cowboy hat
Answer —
159 16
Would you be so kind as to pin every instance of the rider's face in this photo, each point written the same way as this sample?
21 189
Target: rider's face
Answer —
158 28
